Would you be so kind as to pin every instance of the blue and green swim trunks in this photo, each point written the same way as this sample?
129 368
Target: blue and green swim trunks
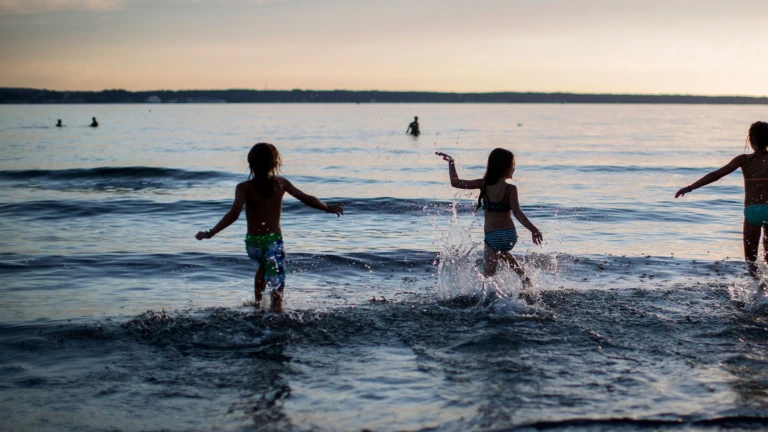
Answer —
757 214
267 250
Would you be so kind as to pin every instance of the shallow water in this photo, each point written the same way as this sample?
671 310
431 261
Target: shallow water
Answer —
112 316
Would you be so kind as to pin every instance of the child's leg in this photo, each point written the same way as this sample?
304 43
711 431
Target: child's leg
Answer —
751 245
490 260
509 259
276 298
765 243
259 284
275 274
513 264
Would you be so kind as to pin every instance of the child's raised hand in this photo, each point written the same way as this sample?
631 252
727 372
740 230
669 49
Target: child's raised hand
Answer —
537 237
445 156
336 208
203 235
683 191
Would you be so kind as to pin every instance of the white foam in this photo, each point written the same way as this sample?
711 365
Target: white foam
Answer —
753 293
460 273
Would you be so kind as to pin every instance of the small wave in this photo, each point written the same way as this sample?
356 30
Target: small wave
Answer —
68 209
112 178
628 168
217 328
64 209
138 177
135 172
127 264
650 423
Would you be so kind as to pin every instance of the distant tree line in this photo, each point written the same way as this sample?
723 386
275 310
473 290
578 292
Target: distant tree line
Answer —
38 96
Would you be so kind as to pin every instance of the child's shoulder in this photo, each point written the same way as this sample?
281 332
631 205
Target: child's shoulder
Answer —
249 183
742 159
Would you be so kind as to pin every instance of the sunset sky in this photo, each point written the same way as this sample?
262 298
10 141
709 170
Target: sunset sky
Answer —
604 46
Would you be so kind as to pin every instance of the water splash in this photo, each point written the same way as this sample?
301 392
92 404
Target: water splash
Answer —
457 272
753 293
460 274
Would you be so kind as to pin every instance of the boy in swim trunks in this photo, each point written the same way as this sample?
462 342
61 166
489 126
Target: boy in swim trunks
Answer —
754 166
262 194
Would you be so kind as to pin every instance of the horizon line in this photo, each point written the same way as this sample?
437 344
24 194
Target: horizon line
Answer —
391 91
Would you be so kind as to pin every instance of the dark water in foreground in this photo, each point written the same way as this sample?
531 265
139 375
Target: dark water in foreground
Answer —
112 317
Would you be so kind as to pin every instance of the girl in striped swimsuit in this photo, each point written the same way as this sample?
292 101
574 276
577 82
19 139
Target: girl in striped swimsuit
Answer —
498 199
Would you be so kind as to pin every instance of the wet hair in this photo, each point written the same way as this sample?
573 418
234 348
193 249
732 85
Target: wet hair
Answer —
758 135
500 162
264 163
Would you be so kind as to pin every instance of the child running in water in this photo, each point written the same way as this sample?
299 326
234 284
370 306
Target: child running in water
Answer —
754 166
498 199
262 195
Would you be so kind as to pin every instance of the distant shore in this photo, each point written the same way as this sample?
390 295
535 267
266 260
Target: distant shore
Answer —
41 96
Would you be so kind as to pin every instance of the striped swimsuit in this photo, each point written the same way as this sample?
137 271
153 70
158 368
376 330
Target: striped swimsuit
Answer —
502 240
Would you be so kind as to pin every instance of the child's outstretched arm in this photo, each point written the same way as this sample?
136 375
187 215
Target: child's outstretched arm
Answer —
455 180
714 176
514 203
232 215
311 201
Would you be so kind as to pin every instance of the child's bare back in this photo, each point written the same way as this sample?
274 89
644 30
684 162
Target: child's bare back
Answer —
262 197
754 166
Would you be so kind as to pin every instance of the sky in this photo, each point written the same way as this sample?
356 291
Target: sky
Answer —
706 47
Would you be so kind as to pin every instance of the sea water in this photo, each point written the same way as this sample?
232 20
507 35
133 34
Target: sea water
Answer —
113 317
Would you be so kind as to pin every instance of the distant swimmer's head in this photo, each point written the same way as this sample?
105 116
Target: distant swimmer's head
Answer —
264 162
501 166
758 136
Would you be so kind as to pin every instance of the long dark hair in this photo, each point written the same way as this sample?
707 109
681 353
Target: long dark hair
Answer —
500 161
264 162
758 135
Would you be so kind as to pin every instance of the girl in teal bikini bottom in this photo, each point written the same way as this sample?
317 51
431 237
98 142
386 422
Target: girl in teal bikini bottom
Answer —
754 166
757 214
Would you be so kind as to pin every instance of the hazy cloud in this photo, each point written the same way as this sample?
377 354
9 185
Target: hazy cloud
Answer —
23 7
27 7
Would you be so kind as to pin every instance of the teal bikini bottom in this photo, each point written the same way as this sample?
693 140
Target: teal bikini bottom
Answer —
757 214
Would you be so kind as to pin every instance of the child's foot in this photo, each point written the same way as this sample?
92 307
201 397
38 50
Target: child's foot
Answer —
761 287
752 269
527 283
277 302
258 294
526 294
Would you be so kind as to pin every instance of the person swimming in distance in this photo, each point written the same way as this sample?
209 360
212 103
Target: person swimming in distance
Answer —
754 167
262 195
413 128
59 124
94 123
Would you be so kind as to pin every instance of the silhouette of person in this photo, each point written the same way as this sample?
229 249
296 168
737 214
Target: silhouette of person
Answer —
94 123
59 124
413 128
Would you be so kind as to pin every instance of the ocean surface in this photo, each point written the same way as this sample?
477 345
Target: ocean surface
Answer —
113 317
